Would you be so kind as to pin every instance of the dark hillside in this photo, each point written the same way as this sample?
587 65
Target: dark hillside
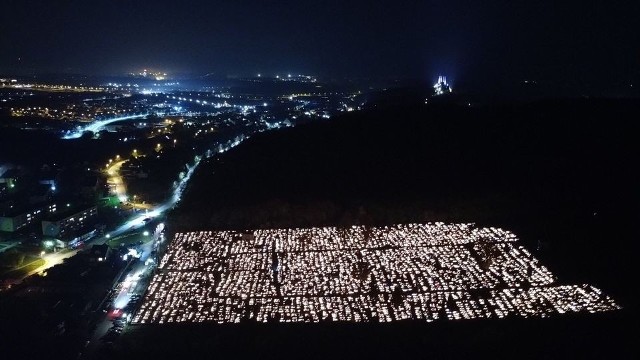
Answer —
558 172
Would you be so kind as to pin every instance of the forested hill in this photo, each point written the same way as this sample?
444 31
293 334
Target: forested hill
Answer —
558 172
445 162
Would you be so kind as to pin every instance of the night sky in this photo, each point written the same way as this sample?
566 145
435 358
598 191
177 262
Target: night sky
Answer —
578 40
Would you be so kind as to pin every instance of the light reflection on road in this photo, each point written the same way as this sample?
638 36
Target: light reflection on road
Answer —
140 220
98 125
114 179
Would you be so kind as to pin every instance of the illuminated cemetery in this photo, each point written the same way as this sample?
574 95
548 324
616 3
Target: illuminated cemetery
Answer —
424 272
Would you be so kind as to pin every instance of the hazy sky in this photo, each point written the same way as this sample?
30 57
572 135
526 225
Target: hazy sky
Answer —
579 40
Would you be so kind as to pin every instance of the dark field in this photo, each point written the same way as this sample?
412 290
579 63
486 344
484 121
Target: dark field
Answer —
579 337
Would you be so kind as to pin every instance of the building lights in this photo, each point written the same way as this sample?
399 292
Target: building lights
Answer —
442 87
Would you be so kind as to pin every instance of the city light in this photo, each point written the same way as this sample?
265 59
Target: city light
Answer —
133 253
358 274
317 236
98 125
441 87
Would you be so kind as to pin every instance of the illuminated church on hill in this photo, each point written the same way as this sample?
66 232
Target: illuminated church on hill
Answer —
441 87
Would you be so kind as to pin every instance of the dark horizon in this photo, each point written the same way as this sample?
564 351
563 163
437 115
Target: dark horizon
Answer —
567 42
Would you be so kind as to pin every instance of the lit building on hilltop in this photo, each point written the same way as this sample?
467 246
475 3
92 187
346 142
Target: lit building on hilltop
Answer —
441 87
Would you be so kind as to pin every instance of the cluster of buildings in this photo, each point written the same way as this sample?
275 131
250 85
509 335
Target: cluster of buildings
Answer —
297 78
4 82
16 84
156 75
359 274
28 204
12 221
